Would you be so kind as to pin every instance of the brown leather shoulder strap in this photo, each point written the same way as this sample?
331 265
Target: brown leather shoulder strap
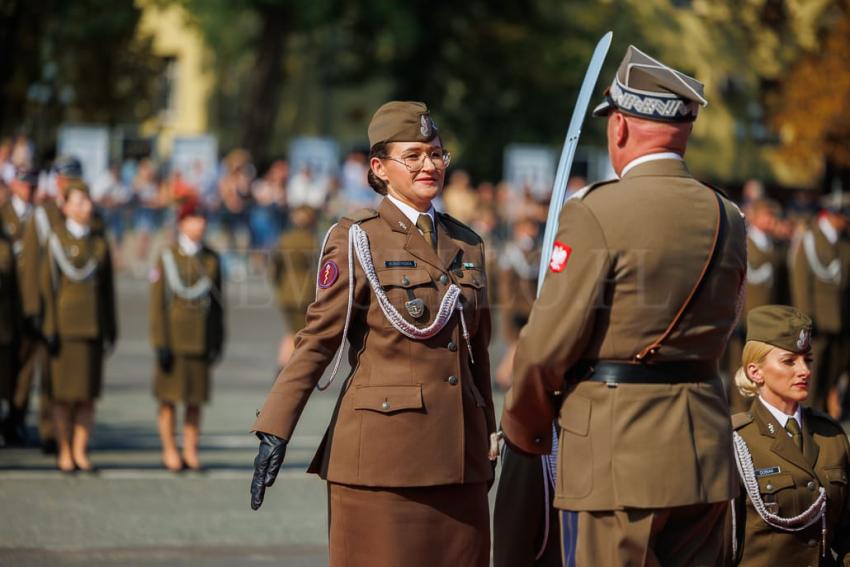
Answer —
652 348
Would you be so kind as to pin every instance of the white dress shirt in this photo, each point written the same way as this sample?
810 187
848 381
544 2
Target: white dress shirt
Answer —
412 213
188 246
781 416
649 157
76 229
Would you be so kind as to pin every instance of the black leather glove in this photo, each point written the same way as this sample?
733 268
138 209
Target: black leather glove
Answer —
53 345
32 327
266 466
165 359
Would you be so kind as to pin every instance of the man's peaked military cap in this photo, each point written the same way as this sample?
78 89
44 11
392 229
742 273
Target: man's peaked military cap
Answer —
780 326
647 88
402 121
68 166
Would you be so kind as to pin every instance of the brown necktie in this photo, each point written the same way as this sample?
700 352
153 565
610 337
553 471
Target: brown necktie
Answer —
792 427
426 225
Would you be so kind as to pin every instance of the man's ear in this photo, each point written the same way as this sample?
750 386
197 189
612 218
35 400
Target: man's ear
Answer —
622 130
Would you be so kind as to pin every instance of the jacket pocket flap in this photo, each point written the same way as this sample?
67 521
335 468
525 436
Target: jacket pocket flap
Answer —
405 277
388 399
774 483
836 474
575 415
471 277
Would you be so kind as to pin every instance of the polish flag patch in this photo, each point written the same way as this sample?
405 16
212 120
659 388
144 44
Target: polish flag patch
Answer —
560 256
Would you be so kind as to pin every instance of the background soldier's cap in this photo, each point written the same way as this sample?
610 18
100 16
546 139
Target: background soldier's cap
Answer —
647 88
190 207
838 202
68 166
781 326
402 121
26 176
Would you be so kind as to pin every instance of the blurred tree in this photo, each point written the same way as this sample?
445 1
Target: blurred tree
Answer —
59 62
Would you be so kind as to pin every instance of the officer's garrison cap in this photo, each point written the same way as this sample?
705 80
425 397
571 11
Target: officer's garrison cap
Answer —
402 121
781 326
647 88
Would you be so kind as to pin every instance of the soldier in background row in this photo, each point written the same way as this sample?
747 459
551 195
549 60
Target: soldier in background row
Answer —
80 323
45 219
293 275
518 266
765 257
14 215
820 282
187 332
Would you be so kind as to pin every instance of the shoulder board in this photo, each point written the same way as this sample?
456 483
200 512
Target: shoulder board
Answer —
361 215
715 188
582 193
464 227
739 420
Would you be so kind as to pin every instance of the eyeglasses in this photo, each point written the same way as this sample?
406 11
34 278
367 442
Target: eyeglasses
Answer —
439 158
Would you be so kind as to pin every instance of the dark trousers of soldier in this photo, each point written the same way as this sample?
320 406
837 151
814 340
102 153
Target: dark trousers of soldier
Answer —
831 358
682 536
34 361
519 516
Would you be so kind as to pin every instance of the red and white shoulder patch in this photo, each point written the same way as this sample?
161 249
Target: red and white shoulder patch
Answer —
328 274
560 256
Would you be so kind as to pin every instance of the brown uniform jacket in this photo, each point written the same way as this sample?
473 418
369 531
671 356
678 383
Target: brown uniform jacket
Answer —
825 300
413 413
637 248
517 286
763 271
40 225
294 268
188 326
788 481
79 309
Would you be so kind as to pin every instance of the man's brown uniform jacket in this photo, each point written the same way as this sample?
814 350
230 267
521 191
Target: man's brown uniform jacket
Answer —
414 412
789 480
635 250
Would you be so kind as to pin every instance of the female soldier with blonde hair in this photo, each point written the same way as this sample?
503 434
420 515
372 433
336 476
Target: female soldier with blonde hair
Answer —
793 461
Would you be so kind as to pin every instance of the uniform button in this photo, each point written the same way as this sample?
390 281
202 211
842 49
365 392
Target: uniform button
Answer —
405 281
474 282
385 405
768 486
812 542
444 279
453 380
811 485
452 346
538 440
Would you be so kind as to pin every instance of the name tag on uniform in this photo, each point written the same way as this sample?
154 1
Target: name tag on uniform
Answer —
399 264
768 471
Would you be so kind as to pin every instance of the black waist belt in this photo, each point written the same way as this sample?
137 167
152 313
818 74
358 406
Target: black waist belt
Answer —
617 372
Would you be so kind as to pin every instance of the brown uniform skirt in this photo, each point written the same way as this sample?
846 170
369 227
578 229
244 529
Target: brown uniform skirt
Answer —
415 527
188 382
76 374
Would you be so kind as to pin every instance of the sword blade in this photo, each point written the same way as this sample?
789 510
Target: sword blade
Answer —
565 163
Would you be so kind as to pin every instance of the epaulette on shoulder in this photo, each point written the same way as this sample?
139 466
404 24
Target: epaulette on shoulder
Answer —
583 192
462 226
715 188
361 215
739 420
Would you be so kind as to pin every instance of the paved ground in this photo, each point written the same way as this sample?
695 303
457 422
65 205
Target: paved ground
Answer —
133 511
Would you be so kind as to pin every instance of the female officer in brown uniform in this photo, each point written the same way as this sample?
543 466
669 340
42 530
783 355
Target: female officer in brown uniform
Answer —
79 323
793 461
187 332
408 453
